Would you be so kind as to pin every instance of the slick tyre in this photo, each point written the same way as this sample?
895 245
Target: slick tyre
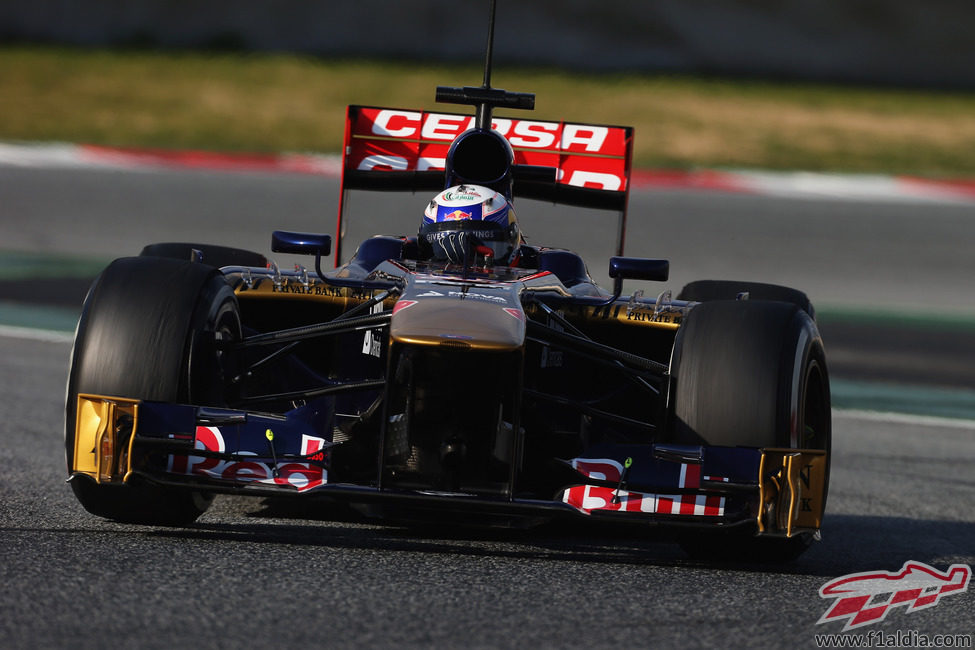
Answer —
750 373
211 255
707 290
148 331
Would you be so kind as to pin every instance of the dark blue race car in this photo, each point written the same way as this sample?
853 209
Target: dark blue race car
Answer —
454 371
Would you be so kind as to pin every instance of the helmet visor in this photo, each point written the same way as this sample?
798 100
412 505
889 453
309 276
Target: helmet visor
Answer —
492 235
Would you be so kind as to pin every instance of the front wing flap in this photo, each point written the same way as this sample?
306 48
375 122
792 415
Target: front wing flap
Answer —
117 438
781 490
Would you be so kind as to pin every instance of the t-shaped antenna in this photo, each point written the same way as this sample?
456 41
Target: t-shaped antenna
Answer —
485 98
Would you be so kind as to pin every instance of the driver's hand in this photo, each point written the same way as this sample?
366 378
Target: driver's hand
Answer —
453 246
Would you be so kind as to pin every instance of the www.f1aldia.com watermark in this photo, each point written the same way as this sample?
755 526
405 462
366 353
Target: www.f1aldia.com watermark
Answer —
866 598
895 639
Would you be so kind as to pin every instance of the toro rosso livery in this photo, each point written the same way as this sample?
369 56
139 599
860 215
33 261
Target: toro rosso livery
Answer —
455 370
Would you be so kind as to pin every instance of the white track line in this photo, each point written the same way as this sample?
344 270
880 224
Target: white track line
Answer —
906 418
48 336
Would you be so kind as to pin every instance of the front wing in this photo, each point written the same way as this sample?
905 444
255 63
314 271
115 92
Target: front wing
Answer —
780 491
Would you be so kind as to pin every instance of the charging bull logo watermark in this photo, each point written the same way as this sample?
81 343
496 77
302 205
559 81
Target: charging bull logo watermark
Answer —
865 598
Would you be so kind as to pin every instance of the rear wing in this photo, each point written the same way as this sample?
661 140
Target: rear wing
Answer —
396 149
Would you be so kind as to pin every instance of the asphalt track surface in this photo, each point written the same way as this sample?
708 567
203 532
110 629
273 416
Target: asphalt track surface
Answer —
255 573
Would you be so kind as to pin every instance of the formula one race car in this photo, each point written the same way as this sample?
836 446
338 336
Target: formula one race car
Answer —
457 372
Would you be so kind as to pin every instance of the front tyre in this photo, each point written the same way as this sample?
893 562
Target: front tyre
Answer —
750 373
708 290
147 331
210 254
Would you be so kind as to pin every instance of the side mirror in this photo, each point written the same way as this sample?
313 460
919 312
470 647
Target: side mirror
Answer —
301 243
635 268
639 268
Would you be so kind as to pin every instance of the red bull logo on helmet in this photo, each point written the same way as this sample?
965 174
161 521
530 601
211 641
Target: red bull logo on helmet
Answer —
456 215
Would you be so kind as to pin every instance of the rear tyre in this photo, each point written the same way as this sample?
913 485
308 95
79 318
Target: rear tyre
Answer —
750 373
147 331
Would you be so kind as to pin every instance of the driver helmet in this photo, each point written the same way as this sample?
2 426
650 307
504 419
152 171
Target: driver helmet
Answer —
478 210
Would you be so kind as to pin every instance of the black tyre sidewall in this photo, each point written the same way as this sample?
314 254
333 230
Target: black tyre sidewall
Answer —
143 335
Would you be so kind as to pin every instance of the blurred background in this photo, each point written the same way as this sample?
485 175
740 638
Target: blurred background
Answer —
868 86
901 42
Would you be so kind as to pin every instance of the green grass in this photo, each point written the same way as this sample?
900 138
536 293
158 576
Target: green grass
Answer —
269 103
18 265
